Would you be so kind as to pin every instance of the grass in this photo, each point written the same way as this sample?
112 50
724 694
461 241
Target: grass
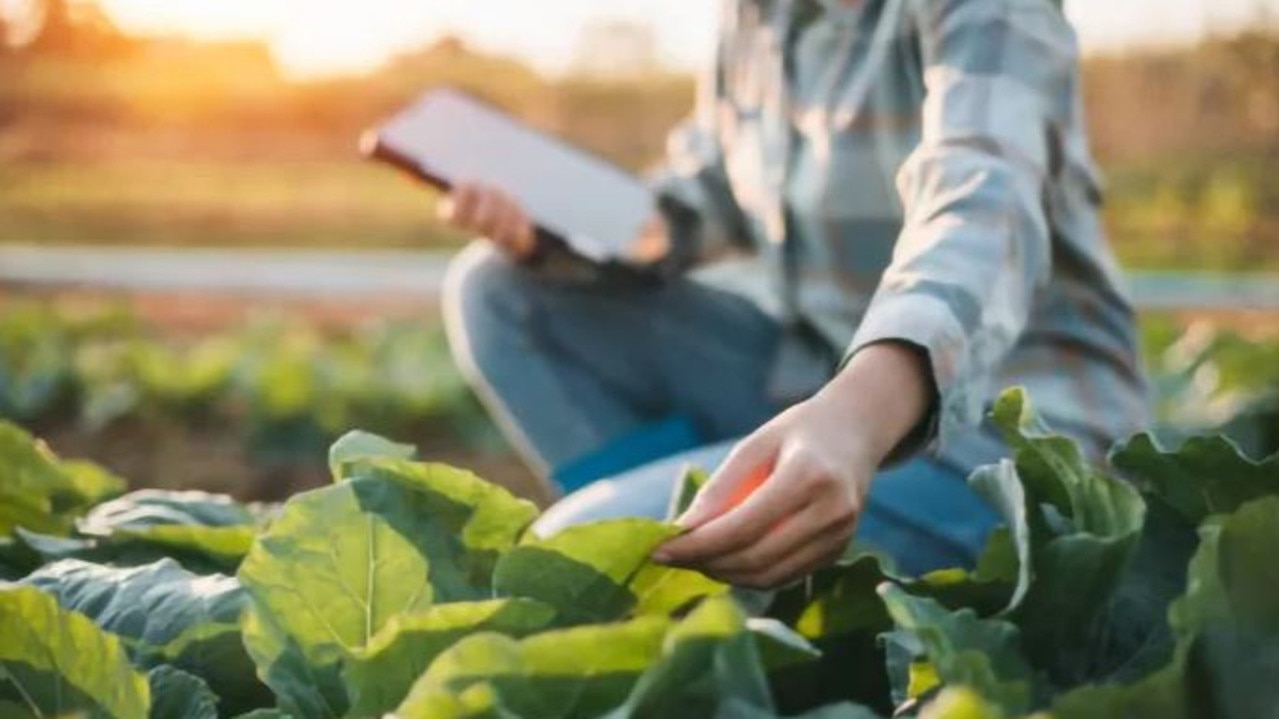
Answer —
1214 212
216 204
1218 214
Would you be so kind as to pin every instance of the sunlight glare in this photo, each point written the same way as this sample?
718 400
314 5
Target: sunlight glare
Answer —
312 37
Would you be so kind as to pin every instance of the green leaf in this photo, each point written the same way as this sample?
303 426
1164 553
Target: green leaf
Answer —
341 562
152 606
1228 631
265 714
585 572
1008 559
379 676
91 482
17 558
1230 673
837 610
840 600
710 666
305 688
178 695
54 662
35 491
963 649
690 483
479 701
779 646
1233 575
840 609
487 518
1083 529
668 591
197 548
1222 673
205 532
1112 701
842 710
578 672
203 550
148 508
165 615
961 703
1205 476
1132 637
357 446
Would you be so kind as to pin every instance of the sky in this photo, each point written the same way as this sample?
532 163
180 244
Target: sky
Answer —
313 37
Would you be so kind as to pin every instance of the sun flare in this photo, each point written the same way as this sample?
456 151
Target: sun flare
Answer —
308 37
312 37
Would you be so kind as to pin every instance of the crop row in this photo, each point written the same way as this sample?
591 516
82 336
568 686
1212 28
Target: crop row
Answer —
417 591
289 387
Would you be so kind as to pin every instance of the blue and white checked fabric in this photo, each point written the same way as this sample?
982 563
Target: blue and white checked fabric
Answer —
922 169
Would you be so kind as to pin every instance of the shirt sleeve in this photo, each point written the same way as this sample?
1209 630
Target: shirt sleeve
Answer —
999 78
704 218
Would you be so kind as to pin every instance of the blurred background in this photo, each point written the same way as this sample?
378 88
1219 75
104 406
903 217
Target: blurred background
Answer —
201 283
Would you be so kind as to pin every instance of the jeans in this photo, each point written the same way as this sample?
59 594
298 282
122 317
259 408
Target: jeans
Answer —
568 369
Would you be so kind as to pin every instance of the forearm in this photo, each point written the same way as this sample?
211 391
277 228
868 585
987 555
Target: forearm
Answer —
883 394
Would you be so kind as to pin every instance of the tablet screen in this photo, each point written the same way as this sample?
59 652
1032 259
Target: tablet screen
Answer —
594 206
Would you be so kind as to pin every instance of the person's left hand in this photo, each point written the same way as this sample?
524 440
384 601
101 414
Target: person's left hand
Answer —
786 501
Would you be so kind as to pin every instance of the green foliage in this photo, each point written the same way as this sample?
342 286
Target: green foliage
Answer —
584 572
54 662
178 695
287 387
353 448
1205 476
578 672
416 591
710 666
690 483
379 675
958 648
1215 382
205 533
40 492
165 616
1082 528
340 563
1233 575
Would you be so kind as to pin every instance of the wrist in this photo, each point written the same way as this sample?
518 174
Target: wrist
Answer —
885 392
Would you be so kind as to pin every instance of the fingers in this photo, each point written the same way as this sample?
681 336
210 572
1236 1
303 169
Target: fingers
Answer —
781 495
744 471
816 523
806 560
653 242
492 213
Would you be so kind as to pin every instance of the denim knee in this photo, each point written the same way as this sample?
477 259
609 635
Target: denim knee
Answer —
485 298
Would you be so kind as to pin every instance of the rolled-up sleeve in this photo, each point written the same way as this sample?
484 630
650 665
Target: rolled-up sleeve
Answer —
976 247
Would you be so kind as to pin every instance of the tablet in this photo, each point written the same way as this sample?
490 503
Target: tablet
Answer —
594 207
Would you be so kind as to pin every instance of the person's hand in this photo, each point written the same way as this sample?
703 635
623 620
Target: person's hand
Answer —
491 213
786 501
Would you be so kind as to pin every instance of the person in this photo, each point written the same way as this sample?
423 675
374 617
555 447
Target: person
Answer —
894 215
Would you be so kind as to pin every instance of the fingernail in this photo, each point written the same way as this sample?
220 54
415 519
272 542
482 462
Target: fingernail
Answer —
661 557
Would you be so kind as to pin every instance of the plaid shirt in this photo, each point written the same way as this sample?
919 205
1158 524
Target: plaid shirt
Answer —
917 170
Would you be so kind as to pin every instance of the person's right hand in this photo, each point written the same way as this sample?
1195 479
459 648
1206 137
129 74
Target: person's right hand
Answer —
491 213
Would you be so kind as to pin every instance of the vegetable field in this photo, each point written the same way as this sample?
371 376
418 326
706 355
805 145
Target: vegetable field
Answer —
416 590
285 380
248 410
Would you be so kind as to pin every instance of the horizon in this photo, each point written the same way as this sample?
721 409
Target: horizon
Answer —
317 38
